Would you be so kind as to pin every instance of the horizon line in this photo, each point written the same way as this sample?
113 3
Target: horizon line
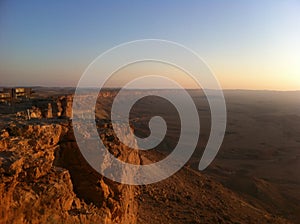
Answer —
117 88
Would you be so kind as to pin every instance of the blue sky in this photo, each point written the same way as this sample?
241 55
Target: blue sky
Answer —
248 44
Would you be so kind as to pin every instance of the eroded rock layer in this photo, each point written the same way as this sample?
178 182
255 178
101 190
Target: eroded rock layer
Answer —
45 179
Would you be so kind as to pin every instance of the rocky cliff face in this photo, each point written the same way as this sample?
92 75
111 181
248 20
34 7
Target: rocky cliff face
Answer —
51 107
44 179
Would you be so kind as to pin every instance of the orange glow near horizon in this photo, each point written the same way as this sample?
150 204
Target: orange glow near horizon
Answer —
251 79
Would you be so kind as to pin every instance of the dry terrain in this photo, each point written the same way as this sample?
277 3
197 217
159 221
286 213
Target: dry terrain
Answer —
254 178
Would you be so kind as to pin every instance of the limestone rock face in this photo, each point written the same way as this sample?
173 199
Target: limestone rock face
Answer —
35 112
64 106
68 110
59 108
49 111
56 107
44 179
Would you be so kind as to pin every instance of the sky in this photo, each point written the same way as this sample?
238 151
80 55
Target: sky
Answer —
247 44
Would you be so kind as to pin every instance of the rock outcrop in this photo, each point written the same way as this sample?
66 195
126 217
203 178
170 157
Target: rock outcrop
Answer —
45 179
49 113
52 107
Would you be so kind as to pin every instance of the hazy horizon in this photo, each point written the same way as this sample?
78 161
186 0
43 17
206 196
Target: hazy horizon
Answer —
116 87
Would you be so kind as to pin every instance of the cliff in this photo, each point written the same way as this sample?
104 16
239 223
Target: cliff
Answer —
44 179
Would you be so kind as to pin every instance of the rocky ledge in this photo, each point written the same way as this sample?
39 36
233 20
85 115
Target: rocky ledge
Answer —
45 179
